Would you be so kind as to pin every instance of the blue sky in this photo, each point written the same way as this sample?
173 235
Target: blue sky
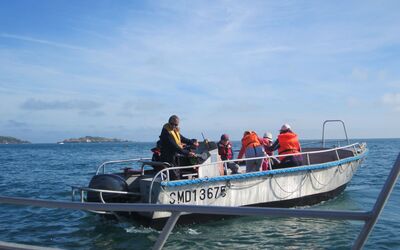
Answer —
121 68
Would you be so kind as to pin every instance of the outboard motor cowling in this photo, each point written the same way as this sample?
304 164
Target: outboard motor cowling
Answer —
107 182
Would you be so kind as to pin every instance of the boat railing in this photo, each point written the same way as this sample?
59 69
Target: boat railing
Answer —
100 191
163 175
355 147
102 167
368 217
333 121
84 190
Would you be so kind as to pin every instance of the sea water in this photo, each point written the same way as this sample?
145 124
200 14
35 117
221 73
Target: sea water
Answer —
46 171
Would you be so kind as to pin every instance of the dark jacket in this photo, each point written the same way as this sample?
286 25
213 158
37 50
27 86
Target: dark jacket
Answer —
169 148
274 146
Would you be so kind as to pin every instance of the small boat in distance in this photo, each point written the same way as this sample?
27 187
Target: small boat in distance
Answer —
207 181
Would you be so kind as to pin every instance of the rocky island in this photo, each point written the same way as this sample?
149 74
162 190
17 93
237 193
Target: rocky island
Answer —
11 140
91 139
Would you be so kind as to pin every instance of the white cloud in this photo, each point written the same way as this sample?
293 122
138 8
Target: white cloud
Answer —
266 50
38 105
392 100
353 102
42 41
394 84
360 74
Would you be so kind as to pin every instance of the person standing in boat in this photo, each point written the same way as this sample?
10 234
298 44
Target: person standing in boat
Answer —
172 142
267 143
226 153
287 143
251 147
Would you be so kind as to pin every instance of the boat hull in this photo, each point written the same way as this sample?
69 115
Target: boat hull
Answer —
278 188
188 219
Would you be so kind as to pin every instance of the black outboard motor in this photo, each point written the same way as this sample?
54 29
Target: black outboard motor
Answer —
108 182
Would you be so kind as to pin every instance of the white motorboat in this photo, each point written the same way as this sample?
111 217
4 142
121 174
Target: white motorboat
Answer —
207 181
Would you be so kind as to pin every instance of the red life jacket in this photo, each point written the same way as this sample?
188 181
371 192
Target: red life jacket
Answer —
225 151
266 143
288 144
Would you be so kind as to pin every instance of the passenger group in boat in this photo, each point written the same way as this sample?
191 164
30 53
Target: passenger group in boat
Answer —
175 149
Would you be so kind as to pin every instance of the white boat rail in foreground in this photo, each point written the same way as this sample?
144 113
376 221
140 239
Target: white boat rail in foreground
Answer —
369 217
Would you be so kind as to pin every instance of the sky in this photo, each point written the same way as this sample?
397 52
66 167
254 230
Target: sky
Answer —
120 68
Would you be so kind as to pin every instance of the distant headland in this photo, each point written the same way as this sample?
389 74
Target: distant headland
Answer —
91 139
11 140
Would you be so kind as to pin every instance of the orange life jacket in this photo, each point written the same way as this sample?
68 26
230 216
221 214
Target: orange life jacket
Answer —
250 140
288 144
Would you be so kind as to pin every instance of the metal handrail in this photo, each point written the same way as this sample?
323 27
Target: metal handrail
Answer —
369 217
259 158
103 165
86 189
323 131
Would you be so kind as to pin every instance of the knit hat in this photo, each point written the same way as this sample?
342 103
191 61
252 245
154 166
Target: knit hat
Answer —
224 137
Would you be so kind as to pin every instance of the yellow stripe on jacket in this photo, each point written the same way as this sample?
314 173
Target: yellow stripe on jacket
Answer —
175 133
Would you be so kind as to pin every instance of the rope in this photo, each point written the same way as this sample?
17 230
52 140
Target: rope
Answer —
239 187
355 167
341 169
351 172
296 189
324 185
284 197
